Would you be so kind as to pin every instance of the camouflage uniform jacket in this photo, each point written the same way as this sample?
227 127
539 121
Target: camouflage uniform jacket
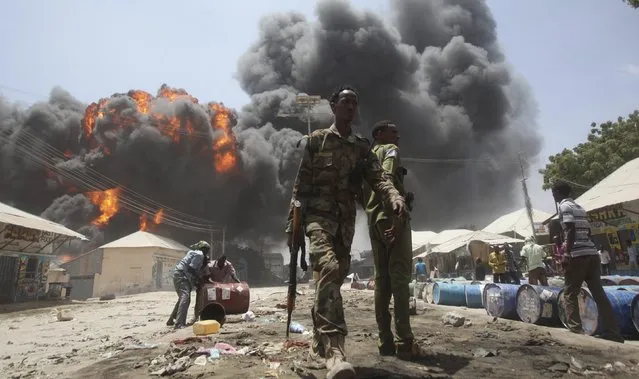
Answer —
388 156
330 178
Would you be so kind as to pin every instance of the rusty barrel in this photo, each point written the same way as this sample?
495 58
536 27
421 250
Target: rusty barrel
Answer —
220 299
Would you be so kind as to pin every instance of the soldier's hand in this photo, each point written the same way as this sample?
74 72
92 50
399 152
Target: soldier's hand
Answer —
390 234
399 207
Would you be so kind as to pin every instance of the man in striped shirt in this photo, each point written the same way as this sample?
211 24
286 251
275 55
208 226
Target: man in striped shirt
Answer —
581 263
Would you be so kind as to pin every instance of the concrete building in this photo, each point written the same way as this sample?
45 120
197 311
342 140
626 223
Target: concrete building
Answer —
27 246
139 262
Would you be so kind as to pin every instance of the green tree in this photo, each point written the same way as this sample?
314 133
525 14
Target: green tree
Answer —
608 147
632 3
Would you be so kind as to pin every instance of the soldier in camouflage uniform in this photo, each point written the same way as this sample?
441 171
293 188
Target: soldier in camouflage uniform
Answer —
392 250
334 164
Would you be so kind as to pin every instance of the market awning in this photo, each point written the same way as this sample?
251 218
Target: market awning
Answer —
14 216
619 187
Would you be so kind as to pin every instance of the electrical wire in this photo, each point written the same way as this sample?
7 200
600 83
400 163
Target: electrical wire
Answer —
91 184
103 180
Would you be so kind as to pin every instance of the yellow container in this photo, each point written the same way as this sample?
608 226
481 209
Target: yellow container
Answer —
202 328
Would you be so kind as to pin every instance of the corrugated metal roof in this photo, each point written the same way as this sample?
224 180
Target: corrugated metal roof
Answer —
619 187
145 239
14 216
517 222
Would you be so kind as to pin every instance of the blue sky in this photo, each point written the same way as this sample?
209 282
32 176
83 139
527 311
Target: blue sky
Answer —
579 56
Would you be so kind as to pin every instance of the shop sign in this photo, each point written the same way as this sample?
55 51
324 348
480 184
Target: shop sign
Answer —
17 238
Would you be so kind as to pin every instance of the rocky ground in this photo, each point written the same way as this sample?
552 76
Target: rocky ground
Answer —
127 338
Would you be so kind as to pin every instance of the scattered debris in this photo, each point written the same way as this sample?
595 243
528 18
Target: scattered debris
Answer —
559 367
453 319
484 353
64 315
296 327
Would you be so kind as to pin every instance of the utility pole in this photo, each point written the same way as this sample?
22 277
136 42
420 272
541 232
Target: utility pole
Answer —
307 102
223 239
527 198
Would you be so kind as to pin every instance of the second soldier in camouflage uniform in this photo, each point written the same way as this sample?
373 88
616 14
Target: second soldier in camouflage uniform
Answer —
392 250
334 164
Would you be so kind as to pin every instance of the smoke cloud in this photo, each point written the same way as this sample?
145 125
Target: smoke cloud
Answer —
434 67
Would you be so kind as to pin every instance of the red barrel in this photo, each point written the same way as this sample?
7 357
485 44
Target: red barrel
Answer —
220 299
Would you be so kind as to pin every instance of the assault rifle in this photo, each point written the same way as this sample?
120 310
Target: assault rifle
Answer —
296 246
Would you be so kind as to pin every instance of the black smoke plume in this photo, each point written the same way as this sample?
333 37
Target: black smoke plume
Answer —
435 67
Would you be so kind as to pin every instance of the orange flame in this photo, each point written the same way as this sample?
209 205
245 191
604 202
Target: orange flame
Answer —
66 258
173 94
142 99
144 224
108 202
159 216
225 148
157 220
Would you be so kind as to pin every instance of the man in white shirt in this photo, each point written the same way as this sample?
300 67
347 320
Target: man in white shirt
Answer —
604 255
581 264
632 255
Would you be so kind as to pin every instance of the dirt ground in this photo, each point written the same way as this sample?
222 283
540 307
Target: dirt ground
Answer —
127 338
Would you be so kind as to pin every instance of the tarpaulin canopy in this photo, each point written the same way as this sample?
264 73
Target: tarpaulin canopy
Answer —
517 222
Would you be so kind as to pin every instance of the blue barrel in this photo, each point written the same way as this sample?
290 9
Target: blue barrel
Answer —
538 305
629 281
635 313
623 288
473 293
449 294
621 302
587 312
500 300
617 280
622 307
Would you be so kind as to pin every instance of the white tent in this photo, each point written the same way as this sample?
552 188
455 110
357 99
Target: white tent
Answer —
447 235
517 222
619 187
479 235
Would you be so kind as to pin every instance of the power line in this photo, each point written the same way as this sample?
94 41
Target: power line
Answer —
105 181
95 185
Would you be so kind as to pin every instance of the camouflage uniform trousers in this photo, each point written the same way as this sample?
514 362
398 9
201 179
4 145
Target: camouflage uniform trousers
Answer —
332 261
393 270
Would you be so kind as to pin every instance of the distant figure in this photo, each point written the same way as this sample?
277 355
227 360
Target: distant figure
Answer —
420 270
535 255
632 255
497 263
222 271
480 270
581 263
604 255
512 269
